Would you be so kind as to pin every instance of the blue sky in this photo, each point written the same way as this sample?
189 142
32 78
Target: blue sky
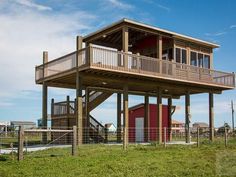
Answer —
30 26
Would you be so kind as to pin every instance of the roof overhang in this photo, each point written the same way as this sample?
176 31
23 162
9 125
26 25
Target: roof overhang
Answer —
153 28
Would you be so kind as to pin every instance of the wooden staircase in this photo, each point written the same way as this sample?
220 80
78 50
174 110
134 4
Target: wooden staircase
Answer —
63 115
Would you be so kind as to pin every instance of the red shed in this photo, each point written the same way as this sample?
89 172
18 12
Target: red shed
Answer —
136 123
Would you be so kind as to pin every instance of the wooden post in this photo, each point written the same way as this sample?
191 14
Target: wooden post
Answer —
188 61
106 134
211 116
79 117
79 42
226 137
97 134
187 117
160 52
169 118
52 107
198 140
159 116
125 45
20 143
118 118
126 117
164 136
74 143
44 99
146 116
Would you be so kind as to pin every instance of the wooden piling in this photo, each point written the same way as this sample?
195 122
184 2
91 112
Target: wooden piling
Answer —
20 143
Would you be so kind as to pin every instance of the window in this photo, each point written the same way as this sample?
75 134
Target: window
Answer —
177 58
180 55
184 56
193 59
206 61
200 59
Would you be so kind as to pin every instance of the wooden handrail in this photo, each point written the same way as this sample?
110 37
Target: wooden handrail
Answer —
107 58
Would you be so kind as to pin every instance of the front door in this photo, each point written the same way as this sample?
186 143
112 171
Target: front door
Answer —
139 129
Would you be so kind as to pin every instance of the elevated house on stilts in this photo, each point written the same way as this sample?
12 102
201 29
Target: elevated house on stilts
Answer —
128 57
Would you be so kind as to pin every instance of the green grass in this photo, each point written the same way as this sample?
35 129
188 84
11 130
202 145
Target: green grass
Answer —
102 160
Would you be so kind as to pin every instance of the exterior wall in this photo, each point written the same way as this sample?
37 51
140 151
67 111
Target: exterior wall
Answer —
139 112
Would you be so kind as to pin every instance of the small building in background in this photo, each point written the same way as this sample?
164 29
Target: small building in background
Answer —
177 127
4 126
203 127
25 124
111 127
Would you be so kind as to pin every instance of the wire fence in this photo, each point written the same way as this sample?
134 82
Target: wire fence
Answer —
25 143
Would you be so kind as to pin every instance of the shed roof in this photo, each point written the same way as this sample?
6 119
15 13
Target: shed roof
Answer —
173 34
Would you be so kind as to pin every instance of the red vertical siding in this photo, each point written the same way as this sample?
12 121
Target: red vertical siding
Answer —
139 112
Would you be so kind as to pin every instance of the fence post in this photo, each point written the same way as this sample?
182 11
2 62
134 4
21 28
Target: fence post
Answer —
20 143
97 134
106 133
198 141
226 138
164 136
74 148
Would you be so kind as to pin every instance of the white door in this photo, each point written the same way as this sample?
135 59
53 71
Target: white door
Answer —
139 129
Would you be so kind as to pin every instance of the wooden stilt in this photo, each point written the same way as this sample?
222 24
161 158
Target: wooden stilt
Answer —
146 119
169 129
44 99
126 117
187 117
79 120
159 116
118 117
211 116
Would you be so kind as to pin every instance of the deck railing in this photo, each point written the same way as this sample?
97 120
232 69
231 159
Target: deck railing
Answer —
114 60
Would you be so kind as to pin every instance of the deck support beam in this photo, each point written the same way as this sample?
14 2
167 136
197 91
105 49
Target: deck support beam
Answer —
187 117
126 118
118 117
125 44
79 116
146 118
44 99
159 116
169 130
211 116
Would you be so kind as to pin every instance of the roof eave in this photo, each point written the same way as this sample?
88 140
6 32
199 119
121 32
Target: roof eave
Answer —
174 34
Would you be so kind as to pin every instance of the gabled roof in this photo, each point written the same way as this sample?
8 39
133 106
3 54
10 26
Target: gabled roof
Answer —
109 125
174 34
200 124
176 122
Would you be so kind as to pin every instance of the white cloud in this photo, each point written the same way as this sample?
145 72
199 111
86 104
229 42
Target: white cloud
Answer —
158 5
163 7
31 4
232 26
24 34
216 34
121 5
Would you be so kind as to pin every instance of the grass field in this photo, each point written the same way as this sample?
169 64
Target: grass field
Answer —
103 160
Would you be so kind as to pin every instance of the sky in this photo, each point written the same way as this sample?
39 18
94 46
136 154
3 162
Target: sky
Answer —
28 27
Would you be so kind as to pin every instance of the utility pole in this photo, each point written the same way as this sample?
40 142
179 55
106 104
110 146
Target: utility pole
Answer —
232 108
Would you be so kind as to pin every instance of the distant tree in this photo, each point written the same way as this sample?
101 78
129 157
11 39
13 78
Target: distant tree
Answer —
222 129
